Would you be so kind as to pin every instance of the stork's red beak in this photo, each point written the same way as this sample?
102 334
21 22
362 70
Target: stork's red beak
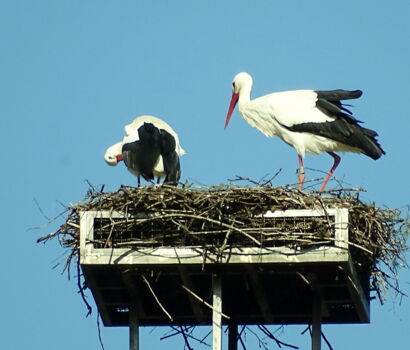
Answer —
232 105
119 158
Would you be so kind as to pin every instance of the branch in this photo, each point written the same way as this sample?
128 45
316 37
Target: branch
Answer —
271 336
203 301
156 298
81 290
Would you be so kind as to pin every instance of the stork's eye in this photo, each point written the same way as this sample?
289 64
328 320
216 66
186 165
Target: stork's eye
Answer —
233 85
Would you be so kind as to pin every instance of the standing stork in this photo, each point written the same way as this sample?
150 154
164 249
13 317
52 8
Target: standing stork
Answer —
308 120
150 148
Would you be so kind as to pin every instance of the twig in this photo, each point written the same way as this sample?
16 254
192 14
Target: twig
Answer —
240 337
327 341
269 181
271 336
99 330
241 178
203 301
81 290
156 298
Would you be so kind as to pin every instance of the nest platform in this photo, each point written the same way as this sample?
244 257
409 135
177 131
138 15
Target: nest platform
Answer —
158 253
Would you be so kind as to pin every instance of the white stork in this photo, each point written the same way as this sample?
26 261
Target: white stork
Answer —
308 120
150 148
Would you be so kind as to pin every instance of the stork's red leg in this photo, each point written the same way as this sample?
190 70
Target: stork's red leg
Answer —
331 171
301 172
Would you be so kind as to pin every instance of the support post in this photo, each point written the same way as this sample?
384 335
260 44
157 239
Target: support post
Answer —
134 327
233 336
217 312
316 321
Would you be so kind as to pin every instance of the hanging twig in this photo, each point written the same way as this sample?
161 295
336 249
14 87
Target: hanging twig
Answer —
203 301
99 330
327 341
81 289
240 337
156 298
271 336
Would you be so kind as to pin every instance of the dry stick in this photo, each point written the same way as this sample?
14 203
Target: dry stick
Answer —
323 336
325 211
224 243
271 179
81 289
68 264
73 224
112 228
203 301
241 178
184 335
189 335
271 336
99 330
49 236
177 331
261 343
303 277
170 335
202 341
240 337
326 341
156 298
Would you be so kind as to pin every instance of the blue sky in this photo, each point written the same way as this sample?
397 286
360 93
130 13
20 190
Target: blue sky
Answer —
73 73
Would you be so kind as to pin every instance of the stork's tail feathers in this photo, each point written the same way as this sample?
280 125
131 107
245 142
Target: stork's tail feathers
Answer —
339 95
372 147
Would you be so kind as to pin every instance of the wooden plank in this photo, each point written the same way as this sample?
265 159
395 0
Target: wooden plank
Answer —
217 312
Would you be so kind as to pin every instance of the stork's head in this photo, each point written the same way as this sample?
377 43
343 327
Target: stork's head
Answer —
113 154
241 81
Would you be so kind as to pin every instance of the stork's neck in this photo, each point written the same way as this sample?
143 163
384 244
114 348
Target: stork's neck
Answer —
245 94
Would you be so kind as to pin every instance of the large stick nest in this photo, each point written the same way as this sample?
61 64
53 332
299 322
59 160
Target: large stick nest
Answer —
224 216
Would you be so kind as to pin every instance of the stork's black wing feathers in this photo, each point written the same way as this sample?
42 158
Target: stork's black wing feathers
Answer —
339 95
172 168
130 152
345 128
330 103
170 158
150 149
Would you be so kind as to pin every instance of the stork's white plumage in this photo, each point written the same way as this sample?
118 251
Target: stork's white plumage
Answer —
150 148
131 130
310 121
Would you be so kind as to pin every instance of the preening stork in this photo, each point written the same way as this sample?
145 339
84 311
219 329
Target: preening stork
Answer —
308 120
150 148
